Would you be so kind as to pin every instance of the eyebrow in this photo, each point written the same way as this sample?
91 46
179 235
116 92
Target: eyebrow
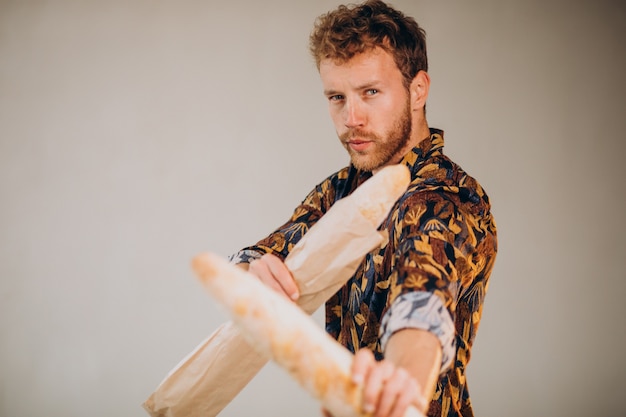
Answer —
365 86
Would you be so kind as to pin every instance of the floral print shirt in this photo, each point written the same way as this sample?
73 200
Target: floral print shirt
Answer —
432 273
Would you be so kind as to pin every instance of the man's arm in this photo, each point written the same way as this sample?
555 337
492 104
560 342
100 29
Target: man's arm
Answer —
407 376
409 372
419 352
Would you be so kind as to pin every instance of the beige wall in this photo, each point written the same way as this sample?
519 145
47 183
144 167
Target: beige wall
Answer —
135 134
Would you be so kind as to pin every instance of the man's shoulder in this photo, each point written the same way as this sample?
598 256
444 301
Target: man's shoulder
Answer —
439 177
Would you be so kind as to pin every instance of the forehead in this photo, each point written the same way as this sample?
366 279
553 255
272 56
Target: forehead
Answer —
367 66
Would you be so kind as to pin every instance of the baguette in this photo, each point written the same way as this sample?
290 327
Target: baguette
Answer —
375 197
203 383
280 330
337 238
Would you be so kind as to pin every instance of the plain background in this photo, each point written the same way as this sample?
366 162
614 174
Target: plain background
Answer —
135 134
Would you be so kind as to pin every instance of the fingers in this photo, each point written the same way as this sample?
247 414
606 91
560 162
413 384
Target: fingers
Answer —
372 375
272 271
361 365
374 386
397 394
387 390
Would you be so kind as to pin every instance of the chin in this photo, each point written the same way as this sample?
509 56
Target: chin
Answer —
366 164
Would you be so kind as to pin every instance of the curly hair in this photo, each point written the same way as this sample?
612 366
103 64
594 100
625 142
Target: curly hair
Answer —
347 31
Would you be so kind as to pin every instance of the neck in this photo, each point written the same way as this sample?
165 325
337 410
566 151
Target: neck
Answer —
419 132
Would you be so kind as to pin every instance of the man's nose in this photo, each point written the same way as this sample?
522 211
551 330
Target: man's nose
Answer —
353 114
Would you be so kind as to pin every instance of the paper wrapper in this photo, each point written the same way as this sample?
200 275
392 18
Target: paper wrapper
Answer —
284 332
323 260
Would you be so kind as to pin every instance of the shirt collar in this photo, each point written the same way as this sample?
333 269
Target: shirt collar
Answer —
428 147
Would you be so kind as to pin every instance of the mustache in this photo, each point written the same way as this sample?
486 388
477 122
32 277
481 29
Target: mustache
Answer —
357 133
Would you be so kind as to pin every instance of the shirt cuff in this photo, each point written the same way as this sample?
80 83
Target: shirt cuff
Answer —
421 310
244 256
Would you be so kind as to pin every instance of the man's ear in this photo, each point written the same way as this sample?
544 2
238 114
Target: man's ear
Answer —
419 90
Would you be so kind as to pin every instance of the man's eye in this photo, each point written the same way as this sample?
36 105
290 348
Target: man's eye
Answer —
371 92
336 97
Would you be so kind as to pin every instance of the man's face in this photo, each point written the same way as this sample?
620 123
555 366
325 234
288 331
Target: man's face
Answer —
370 107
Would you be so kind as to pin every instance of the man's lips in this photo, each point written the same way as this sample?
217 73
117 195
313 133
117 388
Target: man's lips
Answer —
358 144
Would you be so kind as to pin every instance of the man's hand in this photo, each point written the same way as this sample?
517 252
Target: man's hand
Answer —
388 390
271 270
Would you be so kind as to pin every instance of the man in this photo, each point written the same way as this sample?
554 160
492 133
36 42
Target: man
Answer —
411 310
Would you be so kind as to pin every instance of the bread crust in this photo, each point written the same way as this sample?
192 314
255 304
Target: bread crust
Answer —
279 329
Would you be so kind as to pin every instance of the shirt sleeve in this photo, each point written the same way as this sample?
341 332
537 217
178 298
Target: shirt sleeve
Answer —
244 256
421 310
434 239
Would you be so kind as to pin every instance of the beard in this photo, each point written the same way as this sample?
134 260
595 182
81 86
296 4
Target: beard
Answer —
385 147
